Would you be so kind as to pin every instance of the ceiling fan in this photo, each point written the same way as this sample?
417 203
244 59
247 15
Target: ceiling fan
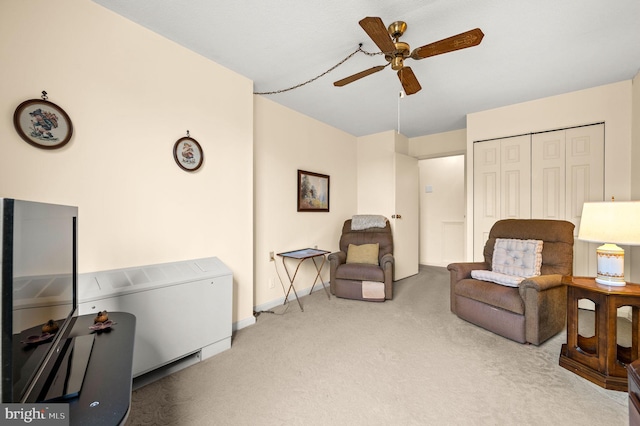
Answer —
396 51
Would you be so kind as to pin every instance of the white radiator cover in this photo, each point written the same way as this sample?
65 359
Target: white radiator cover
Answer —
181 308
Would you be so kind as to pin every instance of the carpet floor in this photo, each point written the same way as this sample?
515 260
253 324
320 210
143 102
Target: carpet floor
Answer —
407 361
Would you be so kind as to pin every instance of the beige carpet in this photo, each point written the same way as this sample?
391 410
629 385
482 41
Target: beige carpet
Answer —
408 361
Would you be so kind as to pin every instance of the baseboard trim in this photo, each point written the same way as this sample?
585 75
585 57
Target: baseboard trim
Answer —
238 325
292 298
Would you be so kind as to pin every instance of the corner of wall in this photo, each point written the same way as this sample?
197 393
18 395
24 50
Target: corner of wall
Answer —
635 136
401 143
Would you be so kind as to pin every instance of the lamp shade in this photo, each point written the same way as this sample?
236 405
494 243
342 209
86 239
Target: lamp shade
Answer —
611 222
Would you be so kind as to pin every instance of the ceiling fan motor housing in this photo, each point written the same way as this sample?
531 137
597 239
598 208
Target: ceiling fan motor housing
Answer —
397 57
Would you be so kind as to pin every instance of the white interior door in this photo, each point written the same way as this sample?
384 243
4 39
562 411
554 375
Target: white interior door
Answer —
405 225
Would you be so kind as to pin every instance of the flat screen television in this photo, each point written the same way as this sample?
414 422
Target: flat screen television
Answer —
39 284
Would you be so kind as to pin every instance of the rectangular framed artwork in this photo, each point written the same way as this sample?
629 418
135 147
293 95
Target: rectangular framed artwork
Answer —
313 192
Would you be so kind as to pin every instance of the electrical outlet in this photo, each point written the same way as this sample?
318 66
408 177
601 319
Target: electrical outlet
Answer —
272 283
271 258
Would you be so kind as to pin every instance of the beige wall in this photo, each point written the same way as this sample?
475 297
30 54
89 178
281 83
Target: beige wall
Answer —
130 94
442 210
286 141
635 170
376 175
439 145
610 104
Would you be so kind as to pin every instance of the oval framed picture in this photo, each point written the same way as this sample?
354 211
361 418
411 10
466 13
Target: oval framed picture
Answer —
42 124
188 154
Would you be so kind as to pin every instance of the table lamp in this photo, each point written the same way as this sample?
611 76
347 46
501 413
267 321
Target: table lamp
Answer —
613 222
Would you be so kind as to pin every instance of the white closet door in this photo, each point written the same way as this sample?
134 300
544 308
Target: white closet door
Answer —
486 192
567 169
502 180
548 175
585 182
544 176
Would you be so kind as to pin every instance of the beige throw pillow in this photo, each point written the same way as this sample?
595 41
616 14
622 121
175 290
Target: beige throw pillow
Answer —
365 253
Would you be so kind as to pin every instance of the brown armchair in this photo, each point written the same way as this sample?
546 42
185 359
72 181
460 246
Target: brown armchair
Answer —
346 279
536 309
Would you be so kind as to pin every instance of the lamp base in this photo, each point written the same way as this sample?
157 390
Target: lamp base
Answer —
607 281
610 265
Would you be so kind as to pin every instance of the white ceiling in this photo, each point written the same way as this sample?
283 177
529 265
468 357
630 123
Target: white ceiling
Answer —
531 49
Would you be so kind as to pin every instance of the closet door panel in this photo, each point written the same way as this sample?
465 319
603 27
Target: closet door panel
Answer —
585 169
551 204
511 201
548 175
516 177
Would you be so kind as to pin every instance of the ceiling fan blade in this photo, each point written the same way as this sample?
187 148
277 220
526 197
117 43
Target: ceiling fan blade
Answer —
375 28
359 75
409 81
461 41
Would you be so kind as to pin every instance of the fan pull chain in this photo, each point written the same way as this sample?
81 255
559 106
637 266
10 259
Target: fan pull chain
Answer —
359 49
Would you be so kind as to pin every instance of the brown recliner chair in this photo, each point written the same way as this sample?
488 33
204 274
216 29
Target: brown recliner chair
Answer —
536 309
346 279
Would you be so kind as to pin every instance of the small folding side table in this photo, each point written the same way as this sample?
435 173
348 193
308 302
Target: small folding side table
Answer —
300 256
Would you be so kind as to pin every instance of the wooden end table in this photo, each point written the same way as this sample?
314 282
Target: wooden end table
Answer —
599 358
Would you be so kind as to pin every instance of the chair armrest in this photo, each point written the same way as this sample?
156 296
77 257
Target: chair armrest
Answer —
338 257
463 270
542 282
458 272
545 307
335 259
387 260
386 263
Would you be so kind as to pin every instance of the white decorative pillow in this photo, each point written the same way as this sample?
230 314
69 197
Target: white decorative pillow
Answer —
520 258
497 277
